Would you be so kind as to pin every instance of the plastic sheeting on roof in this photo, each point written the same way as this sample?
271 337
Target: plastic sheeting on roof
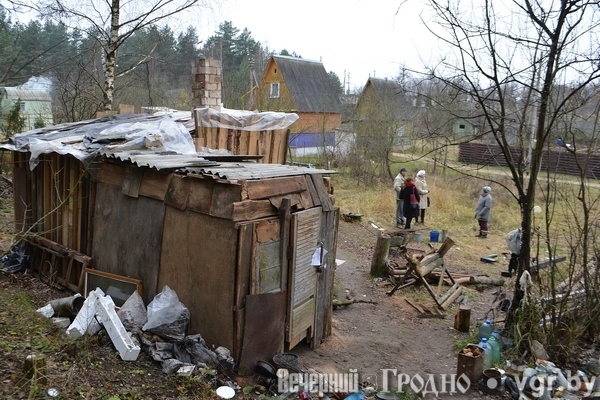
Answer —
244 120
84 140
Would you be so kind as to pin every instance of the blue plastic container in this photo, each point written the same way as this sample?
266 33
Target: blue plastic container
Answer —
434 236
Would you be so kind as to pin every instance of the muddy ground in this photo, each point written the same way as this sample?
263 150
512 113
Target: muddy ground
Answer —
366 337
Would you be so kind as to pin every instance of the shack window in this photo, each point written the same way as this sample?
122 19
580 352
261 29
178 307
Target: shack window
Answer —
22 106
461 126
269 267
275 90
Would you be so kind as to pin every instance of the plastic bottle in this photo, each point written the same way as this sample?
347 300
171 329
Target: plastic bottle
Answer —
487 354
485 330
496 334
495 348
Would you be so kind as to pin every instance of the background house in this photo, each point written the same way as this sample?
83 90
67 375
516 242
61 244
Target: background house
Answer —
464 128
35 105
383 115
303 87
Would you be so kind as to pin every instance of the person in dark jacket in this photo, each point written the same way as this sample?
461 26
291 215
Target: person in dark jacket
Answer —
411 198
483 211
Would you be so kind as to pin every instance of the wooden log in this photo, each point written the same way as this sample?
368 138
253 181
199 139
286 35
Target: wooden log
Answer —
429 263
448 243
462 319
380 255
451 299
488 281
450 292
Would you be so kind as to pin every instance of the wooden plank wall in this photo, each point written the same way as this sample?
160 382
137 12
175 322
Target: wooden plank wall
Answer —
271 144
198 261
49 200
127 236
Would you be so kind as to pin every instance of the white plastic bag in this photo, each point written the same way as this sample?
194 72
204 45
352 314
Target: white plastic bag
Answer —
167 316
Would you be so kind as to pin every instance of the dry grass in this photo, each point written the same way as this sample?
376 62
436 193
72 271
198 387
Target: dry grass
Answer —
453 199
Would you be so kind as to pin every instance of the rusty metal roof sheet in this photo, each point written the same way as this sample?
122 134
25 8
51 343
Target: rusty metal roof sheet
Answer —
250 170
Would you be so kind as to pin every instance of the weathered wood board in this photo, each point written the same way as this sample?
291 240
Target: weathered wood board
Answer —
127 236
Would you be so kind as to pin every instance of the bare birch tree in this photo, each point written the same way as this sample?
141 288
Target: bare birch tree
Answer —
523 48
111 23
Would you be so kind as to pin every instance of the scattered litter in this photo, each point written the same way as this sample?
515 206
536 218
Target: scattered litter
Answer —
225 392
61 322
490 258
84 321
47 311
186 370
167 316
14 261
133 313
53 392
128 350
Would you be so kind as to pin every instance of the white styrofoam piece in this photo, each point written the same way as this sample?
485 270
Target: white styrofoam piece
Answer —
85 316
62 322
128 350
47 311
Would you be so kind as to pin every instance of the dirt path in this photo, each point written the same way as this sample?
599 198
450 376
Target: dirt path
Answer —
386 335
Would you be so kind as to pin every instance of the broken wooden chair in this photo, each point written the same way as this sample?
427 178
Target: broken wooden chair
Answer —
419 269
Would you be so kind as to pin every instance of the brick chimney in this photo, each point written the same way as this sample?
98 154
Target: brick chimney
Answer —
206 84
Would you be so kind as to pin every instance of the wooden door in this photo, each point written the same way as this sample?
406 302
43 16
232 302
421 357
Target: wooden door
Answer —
304 240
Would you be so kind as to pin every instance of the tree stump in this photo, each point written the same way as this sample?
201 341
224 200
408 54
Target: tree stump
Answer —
380 255
462 319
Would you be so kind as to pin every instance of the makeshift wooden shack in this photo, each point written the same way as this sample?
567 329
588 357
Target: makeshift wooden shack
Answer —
236 240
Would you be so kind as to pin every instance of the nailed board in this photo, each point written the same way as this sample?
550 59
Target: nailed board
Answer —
127 236
325 278
264 328
198 261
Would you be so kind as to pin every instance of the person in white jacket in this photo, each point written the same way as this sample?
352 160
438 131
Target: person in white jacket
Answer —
421 185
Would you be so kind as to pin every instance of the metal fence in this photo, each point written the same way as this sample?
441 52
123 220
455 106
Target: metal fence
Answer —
559 161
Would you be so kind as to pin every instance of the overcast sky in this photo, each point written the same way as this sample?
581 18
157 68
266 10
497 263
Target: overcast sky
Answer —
360 37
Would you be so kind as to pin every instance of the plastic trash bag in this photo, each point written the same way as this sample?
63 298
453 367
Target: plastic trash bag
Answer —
133 313
167 316
14 261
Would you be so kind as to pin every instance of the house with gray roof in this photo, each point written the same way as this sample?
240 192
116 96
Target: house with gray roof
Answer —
300 86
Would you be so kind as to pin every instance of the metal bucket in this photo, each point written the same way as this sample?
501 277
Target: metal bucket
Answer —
418 237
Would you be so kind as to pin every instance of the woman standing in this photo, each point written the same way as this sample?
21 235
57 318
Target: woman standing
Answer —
421 185
410 195
483 211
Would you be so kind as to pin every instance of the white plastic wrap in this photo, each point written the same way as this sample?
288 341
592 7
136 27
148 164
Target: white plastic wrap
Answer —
244 120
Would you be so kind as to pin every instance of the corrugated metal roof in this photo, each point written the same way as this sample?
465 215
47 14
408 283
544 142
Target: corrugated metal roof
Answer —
159 161
85 139
309 85
249 170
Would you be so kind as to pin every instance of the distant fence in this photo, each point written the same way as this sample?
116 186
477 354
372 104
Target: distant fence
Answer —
557 161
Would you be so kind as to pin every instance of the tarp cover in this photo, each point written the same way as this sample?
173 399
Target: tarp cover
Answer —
243 120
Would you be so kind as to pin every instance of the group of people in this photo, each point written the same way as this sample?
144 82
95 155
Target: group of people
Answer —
412 198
